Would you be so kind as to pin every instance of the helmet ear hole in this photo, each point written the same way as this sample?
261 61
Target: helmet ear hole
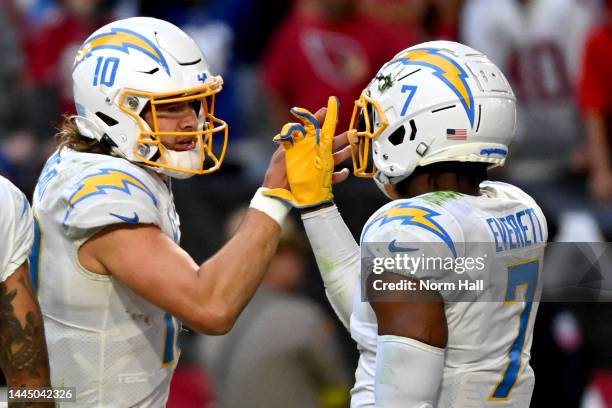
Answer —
397 137
106 119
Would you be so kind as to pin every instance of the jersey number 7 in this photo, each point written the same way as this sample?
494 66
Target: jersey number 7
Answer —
522 278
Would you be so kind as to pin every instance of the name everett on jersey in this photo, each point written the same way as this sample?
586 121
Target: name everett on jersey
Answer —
516 230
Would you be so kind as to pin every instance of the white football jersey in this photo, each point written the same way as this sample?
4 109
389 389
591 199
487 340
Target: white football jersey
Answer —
539 45
16 228
117 348
489 340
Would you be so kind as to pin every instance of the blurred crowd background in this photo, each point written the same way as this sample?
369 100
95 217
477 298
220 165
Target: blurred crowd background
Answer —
288 350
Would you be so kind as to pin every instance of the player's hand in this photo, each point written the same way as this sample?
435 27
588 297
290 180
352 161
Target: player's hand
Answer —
276 175
309 157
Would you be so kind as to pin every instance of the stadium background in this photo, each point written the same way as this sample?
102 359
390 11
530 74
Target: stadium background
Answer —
275 54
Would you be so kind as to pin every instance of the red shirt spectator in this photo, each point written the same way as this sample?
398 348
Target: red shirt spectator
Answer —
595 94
310 59
595 84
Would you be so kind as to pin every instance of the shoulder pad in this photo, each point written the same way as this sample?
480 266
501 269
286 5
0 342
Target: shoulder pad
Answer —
514 193
109 193
414 221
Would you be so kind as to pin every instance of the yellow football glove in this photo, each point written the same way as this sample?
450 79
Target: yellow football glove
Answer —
308 158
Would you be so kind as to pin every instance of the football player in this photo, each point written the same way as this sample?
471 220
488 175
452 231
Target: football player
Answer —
427 128
112 280
23 352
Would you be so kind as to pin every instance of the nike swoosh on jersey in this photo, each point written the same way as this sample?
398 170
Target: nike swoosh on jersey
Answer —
393 247
129 220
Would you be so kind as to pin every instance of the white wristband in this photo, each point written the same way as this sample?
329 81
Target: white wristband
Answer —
274 208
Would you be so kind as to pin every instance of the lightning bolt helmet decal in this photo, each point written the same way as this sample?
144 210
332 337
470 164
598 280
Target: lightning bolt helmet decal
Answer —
121 39
446 69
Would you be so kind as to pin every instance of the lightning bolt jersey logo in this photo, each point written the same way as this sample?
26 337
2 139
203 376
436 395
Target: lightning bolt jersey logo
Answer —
121 39
417 216
446 69
106 179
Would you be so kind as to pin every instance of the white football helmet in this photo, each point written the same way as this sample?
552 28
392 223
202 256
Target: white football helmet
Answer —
137 63
433 102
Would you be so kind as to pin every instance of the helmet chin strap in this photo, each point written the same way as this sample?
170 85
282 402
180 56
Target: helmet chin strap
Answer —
189 160
383 182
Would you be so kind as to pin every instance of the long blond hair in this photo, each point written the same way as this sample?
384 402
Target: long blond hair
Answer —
68 135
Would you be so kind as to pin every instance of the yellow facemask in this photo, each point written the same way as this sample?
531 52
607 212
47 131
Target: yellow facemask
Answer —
361 134
211 136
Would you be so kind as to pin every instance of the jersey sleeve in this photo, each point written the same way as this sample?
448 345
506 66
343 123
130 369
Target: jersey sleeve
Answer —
338 258
415 239
16 229
108 195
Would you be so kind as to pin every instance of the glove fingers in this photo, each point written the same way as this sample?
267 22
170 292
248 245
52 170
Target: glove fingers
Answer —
310 122
331 119
290 133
